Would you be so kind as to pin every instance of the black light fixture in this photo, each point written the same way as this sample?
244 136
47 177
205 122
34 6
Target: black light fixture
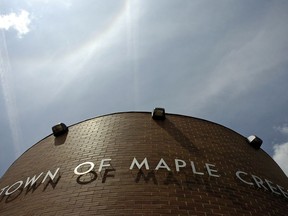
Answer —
59 129
158 113
254 141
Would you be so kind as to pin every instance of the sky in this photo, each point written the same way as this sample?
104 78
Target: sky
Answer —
66 61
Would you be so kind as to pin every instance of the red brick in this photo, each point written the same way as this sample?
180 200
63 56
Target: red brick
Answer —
123 136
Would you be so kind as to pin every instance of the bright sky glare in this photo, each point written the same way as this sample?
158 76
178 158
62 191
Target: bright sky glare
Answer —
66 61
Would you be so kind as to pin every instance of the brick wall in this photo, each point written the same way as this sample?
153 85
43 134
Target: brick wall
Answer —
117 190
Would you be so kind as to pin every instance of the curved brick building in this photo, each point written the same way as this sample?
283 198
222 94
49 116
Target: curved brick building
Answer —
132 164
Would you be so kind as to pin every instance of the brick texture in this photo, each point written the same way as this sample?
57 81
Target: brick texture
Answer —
117 190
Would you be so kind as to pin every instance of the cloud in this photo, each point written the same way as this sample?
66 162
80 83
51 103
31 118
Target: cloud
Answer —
19 22
282 129
281 156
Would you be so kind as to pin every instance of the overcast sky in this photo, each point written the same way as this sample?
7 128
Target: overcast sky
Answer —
65 61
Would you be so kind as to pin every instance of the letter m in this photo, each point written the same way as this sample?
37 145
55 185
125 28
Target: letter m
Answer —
139 165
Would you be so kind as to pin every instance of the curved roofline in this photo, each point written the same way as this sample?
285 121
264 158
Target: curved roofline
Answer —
145 112
123 112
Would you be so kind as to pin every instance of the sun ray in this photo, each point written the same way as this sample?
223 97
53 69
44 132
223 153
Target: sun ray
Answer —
8 95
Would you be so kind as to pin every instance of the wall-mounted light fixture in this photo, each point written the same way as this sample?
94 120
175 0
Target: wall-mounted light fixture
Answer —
158 113
59 129
254 141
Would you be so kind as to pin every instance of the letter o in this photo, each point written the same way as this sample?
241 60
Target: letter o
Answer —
82 164
7 193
